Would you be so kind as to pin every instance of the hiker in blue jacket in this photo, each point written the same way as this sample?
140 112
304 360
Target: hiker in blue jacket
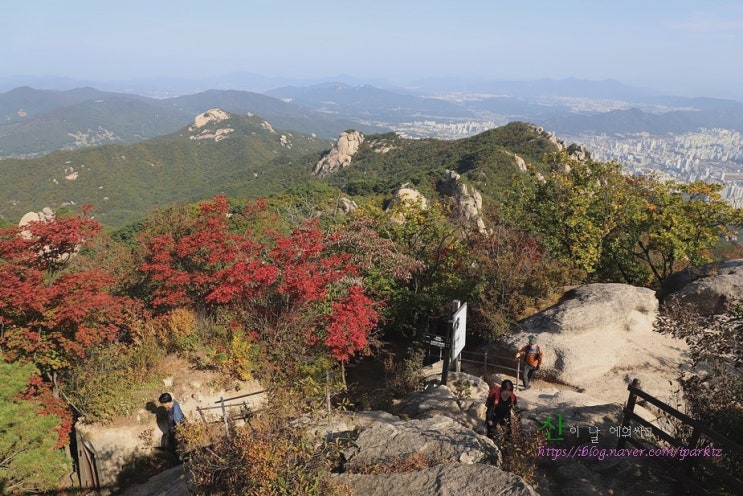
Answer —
175 417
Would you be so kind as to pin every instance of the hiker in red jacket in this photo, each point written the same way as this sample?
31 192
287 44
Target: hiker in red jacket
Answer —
499 404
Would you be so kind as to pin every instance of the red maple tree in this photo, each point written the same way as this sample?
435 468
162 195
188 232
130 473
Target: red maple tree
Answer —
280 284
51 313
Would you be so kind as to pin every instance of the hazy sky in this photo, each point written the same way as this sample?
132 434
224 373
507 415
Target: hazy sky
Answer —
682 46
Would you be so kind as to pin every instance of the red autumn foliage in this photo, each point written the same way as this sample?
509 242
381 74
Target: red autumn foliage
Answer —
276 281
349 323
50 313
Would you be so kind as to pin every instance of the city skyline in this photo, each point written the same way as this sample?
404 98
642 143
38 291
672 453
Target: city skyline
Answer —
689 48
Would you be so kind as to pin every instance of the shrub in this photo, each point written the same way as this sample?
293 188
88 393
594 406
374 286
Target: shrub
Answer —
716 345
107 382
179 334
241 357
267 457
405 377
520 451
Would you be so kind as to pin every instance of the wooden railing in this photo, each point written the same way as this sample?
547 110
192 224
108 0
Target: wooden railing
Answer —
685 470
494 362
244 411
87 463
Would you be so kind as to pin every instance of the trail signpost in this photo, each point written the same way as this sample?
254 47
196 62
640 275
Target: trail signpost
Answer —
437 341
452 340
457 332
458 329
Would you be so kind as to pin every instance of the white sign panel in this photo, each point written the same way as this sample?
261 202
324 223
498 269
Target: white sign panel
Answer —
459 331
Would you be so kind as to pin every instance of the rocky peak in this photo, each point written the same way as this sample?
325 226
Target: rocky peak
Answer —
205 126
208 117
579 152
467 201
341 154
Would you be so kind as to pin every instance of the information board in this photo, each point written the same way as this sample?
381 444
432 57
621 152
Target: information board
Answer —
459 330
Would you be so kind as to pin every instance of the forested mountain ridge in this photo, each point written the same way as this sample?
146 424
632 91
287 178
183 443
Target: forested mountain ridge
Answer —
35 122
124 182
488 160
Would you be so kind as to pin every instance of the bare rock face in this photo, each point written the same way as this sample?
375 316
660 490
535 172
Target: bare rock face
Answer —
438 438
341 154
467 200
709 289
208 117
205 127
600 337
406 194
45 214
520 163
579 152
457 478
462 399
347 205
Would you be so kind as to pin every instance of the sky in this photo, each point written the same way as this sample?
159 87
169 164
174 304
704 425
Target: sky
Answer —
690 48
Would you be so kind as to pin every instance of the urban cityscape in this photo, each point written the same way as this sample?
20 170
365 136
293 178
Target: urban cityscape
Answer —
711 155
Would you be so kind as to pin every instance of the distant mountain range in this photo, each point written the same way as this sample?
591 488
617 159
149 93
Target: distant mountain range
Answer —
35 121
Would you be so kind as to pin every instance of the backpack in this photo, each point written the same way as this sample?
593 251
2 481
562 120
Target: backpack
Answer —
535 351
494 398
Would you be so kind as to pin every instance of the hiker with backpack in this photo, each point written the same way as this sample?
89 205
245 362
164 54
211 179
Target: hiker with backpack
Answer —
499 408
532 360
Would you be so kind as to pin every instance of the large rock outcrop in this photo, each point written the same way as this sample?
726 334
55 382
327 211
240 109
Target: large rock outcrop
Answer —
600 337
45 214
709 289
407 195
341 154
442 480
462 399
438 439
467 201
206 126
460 460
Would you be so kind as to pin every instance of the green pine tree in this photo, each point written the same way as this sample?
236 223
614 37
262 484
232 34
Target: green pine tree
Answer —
29 458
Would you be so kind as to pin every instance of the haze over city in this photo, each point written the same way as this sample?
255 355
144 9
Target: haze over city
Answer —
688 48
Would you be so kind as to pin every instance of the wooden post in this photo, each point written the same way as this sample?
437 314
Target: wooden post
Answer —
224 417
327 390
201 412
688 462
518 374
445 368
629 410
